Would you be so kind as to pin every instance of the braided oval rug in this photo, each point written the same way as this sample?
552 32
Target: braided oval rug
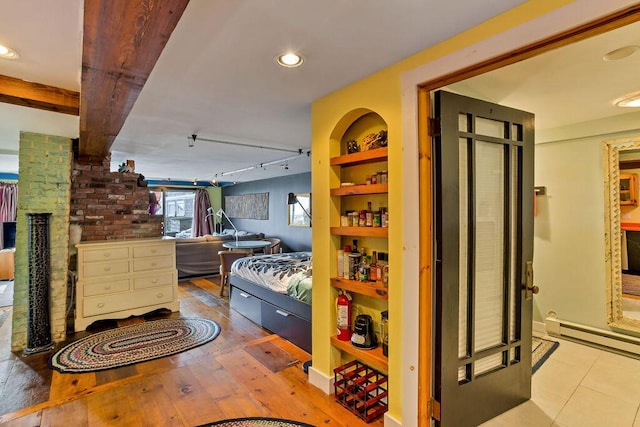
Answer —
257 422
133 344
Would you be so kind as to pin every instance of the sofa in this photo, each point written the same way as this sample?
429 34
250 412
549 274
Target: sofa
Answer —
198 256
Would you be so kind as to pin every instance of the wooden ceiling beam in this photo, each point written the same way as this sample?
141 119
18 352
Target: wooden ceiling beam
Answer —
37 95
122 41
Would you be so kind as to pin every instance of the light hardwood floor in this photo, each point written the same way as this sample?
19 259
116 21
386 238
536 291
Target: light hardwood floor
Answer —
245 372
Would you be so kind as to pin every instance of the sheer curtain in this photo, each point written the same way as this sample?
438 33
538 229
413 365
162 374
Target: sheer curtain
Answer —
8 204
200 206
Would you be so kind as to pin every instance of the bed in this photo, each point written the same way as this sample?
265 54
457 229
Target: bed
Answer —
274 291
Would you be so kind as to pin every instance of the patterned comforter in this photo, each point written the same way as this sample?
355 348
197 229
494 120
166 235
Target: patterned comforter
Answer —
286 273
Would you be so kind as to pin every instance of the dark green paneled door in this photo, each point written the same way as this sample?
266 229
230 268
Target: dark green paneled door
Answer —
484 246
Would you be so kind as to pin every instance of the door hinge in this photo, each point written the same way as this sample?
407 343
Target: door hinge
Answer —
434 126
433 409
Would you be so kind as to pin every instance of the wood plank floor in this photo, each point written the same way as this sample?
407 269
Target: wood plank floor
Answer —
245 372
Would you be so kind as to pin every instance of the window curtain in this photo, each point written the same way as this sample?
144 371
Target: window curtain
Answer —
201 204
8 204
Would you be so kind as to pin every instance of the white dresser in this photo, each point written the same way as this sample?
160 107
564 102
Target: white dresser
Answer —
122 278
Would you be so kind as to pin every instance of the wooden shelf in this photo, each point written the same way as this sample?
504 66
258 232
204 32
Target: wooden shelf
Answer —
373 358
361 157
360 231
371 289
356 190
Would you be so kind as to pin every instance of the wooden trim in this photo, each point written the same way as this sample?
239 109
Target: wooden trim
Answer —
593 28
122 40
590 29
629 164
37 95
425 321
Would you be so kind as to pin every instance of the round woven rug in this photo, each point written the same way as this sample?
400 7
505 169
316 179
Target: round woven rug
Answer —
133 344
257 422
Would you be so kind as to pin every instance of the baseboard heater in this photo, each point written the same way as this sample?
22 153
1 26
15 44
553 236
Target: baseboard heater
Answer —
589 335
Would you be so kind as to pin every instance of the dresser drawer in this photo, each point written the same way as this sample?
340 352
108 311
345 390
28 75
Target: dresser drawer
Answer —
152 250
109 287
97 269
107 254
94 306
157 263
153 281
246 304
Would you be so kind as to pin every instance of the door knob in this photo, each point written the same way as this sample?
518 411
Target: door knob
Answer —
533 289
529 288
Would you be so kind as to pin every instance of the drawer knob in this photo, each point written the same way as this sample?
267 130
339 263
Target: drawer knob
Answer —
153 264
107 287
107 254
160 295
154 281
243 295
282 313
100 304
107 269
153 251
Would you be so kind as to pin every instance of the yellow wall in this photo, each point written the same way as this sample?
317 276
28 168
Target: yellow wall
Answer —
381 93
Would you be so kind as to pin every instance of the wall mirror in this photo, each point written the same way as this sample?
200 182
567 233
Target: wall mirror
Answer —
300 210
622 233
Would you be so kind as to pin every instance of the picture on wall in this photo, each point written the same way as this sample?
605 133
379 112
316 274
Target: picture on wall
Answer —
247 206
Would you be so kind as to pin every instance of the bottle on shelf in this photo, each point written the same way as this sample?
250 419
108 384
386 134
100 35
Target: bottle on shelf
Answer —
368 216
385 270
346 261
373 267
363 269
340 263
379 266
354 261
384 332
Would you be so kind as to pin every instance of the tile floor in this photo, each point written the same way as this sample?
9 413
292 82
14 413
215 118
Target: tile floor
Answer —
580 386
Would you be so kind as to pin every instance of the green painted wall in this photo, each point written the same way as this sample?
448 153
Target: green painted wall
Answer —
44 186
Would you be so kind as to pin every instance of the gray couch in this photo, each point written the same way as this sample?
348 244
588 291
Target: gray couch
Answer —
199 256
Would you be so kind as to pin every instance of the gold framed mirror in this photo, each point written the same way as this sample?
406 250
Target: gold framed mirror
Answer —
616 194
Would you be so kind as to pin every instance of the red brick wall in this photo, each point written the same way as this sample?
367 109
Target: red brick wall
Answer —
110 205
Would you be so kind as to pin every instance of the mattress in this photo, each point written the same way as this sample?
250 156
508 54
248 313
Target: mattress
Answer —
286 273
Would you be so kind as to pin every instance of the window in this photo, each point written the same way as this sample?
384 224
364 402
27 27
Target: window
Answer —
177 209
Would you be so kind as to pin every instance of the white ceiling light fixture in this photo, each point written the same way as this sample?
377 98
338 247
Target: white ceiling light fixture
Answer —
632 100
621 53
8 53
289 60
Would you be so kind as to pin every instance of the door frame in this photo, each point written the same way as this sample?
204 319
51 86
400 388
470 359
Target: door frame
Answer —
417 110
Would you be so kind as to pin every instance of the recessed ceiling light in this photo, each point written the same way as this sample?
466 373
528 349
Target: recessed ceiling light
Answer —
290 60
8 53
632 100
622 53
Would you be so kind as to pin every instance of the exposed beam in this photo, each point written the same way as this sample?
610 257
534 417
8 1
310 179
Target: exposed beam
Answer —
122 41
37 95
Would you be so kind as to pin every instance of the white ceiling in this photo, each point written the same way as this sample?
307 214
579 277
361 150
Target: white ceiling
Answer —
217 77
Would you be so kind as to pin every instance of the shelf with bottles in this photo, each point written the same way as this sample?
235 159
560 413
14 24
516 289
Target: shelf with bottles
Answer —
382 232
373 357
371 289
360 157
360 189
